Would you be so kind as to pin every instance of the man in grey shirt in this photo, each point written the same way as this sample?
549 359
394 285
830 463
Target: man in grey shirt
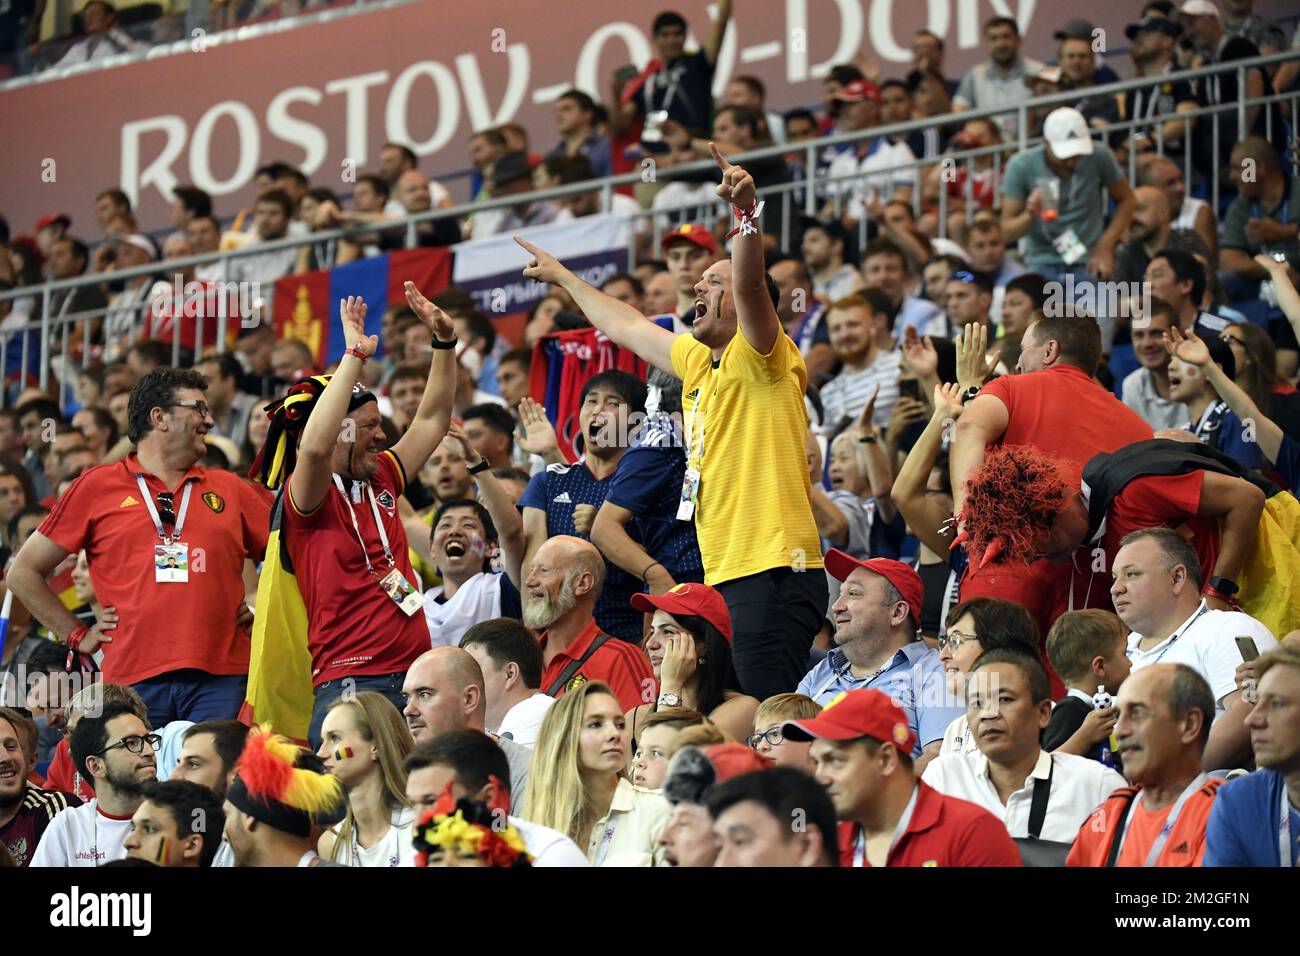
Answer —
1001 80
1146 388
1053 199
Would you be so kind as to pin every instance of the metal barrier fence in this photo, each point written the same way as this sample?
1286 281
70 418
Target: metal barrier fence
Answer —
805 194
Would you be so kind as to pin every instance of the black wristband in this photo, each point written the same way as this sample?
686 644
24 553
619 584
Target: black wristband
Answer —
481 467
440 344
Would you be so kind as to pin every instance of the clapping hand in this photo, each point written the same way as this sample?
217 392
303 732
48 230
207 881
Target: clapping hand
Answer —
919 353
352 313
435 320
1187 346
973 366
947 400
538 436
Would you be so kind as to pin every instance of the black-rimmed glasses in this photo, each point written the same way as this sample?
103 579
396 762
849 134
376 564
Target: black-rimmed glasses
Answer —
198 405
772 735
134 743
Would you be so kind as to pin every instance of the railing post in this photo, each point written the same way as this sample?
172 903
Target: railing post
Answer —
1022 118
1214 166
1242 132
45 337
810 180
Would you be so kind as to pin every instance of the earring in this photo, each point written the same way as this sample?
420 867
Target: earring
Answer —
700 660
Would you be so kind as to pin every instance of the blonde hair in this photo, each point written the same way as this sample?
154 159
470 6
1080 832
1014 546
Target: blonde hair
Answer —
557 795
378 722
701 735
1077 637
786 707
857 449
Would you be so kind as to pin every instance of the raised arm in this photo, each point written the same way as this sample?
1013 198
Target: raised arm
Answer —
625 326
755 312
982 422
434 414
923 515
492 493
1287 297
714 43
310 481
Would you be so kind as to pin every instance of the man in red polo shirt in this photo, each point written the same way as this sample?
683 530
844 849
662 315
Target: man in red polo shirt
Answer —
166 541
862 746
341 527
1057 407
560 592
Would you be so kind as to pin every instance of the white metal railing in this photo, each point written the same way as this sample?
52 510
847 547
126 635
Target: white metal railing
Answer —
800 195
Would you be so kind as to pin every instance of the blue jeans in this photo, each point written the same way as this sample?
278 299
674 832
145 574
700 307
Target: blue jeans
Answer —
390 685
192 695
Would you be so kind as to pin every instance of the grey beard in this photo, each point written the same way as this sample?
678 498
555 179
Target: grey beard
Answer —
541 613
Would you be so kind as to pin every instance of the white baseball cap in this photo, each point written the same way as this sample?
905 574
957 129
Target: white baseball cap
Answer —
1066 133
1199 8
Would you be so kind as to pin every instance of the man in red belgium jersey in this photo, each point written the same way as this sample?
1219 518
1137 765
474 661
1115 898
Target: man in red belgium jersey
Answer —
862 749
166 540
1056 407
365 609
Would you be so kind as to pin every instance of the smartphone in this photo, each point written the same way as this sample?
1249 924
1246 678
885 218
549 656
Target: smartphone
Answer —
910 388
1247 647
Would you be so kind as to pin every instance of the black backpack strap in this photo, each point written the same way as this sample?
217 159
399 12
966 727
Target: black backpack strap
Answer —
1115 840
574 666
1038 809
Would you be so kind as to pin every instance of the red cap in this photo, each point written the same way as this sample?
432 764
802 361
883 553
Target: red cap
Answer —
50 218
840 565
732 760
857 91
854 714
698 600
690 232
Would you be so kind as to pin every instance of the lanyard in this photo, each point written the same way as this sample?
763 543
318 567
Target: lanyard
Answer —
1181 631
383 535
1284 833
153 509
860 848
1170 820
698 409
836 675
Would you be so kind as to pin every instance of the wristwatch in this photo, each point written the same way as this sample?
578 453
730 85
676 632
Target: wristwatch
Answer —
1222 585
970 393
669 700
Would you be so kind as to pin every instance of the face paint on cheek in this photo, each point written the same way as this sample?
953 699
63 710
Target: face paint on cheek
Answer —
343 753
478 545
161 855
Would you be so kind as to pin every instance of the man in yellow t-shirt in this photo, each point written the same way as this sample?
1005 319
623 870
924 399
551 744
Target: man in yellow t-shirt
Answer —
747 486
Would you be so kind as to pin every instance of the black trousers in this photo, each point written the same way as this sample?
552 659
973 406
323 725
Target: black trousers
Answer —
774 617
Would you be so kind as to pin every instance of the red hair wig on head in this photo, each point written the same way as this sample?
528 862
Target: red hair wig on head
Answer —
1011 501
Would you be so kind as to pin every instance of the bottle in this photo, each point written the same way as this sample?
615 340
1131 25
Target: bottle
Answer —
1050 189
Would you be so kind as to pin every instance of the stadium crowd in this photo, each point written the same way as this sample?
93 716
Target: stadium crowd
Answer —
929 552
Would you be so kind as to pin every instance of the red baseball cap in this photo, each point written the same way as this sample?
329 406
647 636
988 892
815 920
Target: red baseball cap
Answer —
692 233
840 565
857 91
697 600
732 760
50 218
854 714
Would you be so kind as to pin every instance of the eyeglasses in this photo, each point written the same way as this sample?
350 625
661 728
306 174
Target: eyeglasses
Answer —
197 404
954 639
963 276
134 744
773 736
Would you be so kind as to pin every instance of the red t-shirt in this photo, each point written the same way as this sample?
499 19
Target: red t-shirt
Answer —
165 627
1185 845
62 774
623 666
354 628
943 831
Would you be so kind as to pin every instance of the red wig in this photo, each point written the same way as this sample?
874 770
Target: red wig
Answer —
1011 501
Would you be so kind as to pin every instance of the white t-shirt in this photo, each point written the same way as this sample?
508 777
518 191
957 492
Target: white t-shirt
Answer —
548 847
524 719
392 850
1204 642
478 599
875 183
847 393
82 836
1079 786
958 739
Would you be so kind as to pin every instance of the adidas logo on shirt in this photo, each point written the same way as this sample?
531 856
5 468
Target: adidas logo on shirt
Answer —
563 498
128 501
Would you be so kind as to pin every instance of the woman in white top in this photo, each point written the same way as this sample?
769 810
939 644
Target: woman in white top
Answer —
577 783
975 626
364 743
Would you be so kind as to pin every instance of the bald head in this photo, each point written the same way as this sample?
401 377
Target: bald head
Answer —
1165 713
444 691
563 582
413 191
1152 216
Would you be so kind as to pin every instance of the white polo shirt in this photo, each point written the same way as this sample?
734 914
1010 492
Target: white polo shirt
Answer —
1204 642
82 836
1079 786
524 719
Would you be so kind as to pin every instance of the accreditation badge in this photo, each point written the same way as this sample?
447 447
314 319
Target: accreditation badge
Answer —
171 563
690 491
401 593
